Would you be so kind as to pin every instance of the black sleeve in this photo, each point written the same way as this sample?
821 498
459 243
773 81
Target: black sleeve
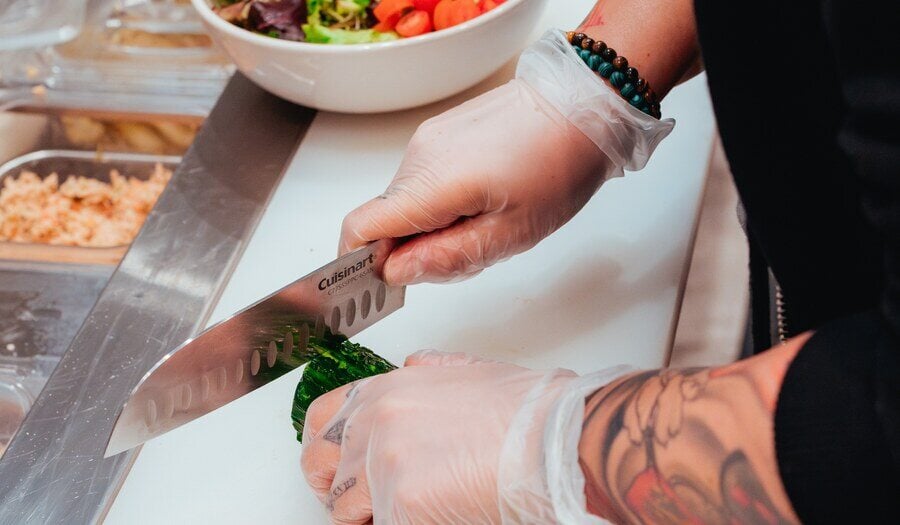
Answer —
837 424
834 440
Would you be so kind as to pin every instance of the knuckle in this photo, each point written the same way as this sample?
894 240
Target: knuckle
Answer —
317 414
318 480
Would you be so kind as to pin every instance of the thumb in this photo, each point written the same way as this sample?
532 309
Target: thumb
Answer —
437 358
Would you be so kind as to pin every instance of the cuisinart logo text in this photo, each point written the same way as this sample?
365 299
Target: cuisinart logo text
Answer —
350 273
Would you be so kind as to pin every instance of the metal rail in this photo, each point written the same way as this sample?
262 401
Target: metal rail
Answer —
162 293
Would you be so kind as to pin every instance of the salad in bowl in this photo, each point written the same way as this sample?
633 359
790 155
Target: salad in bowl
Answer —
349 21
407 53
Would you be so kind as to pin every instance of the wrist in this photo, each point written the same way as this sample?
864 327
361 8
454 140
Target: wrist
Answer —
622 132
660 41
596 416
540 479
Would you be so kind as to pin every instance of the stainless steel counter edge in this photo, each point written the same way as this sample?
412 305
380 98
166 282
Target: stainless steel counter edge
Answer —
161 294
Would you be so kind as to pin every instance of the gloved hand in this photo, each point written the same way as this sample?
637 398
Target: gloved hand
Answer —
491 178
452 439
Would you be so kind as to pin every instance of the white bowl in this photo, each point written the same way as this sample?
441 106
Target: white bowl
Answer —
387 76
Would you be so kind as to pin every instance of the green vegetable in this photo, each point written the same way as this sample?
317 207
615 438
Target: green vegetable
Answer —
341 22
336 362
320 34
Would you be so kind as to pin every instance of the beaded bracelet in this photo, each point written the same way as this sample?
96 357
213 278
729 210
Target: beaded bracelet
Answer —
604 60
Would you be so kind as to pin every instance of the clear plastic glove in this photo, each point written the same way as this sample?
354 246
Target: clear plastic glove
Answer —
491 178
452 439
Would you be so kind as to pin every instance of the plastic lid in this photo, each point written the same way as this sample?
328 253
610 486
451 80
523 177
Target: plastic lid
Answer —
37 23
144 56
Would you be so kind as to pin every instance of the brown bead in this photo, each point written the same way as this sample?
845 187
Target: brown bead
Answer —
576 40
641 85
650 96
587 43
608 54
570 35
620 63
655 110
631 74
599 47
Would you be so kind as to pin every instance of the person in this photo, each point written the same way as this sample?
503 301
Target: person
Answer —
807 99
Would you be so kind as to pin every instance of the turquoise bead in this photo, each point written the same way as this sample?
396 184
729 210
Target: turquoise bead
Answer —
628 90
605 69
595 62
637 101
617 79
585 55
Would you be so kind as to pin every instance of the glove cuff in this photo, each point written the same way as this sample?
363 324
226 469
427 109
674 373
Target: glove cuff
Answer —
539 478
625 134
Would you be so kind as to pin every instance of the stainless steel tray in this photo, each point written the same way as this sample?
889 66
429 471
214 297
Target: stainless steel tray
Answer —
88 164
46 292
42 307
162 293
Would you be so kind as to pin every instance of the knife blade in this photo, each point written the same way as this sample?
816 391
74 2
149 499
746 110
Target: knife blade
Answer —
256 345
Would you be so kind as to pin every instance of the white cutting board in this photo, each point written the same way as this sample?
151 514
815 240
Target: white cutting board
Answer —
605 289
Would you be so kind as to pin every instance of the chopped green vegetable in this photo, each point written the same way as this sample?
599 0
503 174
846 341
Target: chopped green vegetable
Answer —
336 362
320 33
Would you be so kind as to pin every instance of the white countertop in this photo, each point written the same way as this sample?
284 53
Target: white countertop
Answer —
603 290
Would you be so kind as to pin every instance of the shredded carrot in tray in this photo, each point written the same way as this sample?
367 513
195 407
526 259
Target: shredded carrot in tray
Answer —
79 212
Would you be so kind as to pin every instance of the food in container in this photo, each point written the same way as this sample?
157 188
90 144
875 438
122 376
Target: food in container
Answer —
87 220
162 137
78 211
140 39
381 76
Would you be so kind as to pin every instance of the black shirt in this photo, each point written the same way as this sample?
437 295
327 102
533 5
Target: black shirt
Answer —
807 99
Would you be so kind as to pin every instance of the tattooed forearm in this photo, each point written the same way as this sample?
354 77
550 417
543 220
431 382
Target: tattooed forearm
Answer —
688 446
594 18
659 37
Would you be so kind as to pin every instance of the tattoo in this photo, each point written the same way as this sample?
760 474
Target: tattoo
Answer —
594 18
339 491
744 496
664 459
335 434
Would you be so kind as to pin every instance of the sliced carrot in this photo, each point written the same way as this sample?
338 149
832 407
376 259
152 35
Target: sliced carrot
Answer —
386 26
487 5
386 9
426 5
449 13
389 24
414 23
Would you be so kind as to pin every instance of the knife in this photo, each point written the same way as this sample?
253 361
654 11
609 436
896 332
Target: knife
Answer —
256 345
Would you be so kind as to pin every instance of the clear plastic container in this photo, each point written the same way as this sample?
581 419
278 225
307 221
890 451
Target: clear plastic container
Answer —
14 404
43 305
38 23
139 56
